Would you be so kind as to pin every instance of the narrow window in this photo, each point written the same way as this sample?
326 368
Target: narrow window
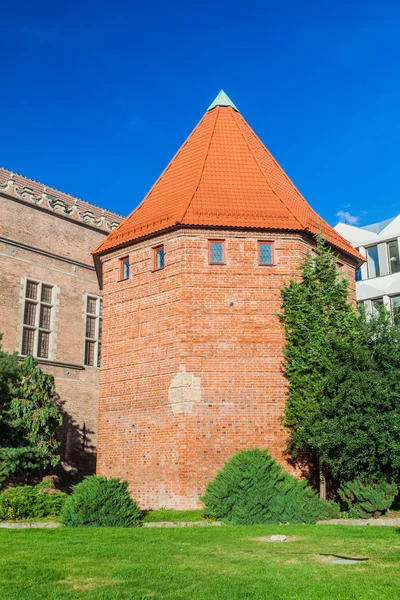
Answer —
373 262
159 257
265 253
216 251
395 302
394 258
93 327
358 274
124 268
38 309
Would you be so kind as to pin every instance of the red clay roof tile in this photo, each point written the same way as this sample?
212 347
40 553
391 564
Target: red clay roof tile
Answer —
222 176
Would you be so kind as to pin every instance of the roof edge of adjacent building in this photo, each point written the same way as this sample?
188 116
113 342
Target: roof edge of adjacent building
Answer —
39 195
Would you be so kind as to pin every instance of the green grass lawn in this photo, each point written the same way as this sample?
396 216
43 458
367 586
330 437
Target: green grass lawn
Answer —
166 514
215 563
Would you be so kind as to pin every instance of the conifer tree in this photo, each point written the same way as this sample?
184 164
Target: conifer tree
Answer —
316 311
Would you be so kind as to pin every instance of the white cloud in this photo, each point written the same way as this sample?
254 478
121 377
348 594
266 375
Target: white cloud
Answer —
346 217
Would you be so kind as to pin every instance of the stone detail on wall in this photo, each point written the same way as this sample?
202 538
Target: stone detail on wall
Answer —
57 205
184 391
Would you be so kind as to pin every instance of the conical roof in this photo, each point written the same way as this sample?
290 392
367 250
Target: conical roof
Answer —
222 176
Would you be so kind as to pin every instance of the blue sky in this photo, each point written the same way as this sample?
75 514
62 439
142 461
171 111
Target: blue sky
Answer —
97 96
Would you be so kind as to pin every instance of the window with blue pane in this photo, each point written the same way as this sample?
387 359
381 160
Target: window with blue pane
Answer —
124 268
373 262
216 252
358 274
159 257
266 253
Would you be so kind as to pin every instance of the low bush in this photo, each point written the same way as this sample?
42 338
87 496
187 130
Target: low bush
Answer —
367 500
101 502
253 488
331 510
31 502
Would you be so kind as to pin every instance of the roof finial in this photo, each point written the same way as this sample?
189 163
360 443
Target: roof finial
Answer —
222 100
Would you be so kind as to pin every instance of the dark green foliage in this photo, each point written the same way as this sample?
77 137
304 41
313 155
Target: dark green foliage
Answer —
331 510
315 312
368 500
101 502
27 502
356 428
343 371
28 418
253 488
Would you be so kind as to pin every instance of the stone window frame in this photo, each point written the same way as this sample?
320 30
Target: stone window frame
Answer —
94 341
217 241
266 243
37 328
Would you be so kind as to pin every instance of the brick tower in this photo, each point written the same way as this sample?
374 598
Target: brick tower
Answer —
191 359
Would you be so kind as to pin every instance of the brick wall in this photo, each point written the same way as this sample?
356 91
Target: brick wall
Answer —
76 384
191 365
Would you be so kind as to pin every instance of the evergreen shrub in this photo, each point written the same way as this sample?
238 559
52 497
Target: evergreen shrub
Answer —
101 502
368 500
31 502
331 510
253 488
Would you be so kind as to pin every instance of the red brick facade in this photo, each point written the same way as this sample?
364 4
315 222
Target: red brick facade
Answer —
47 236
192 352
191 366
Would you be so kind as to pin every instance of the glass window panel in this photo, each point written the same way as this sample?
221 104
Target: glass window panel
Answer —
30 314
91 327
377 303
216 252
45 317
358 274
93 331
373 262
28 337
31 290
91 306
89 353
46 293
394 257
266 254
43 344
125 269
395 300
159 258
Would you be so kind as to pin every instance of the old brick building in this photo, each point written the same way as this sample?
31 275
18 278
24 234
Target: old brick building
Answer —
191 363
50 303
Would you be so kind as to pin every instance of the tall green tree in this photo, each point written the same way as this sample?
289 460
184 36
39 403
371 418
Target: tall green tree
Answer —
316 312
356 429
29 418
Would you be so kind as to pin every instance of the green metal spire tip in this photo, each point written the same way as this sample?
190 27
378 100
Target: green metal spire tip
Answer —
222 100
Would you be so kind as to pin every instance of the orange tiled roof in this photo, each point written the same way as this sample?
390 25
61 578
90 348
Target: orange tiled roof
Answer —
224 176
